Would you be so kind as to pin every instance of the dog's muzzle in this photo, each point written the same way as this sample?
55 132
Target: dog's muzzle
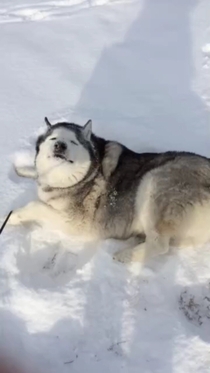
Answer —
59 149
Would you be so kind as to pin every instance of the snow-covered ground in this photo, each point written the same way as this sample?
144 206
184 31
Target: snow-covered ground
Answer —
141 70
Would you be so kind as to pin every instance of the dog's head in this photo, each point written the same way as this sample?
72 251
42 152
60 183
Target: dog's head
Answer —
64 154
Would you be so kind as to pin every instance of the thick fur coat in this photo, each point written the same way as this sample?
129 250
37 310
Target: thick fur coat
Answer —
101 189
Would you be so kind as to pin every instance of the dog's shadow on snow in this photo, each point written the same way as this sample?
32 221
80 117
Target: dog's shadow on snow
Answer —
49 260
46 260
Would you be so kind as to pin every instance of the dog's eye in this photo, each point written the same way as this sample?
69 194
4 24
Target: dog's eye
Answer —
53 138
73 142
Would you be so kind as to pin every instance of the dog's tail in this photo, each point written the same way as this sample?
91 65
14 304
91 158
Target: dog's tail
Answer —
26 171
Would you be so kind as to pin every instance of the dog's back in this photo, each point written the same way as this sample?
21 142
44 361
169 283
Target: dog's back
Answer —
180 181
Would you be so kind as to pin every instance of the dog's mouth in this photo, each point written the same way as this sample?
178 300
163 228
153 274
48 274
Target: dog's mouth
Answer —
61 156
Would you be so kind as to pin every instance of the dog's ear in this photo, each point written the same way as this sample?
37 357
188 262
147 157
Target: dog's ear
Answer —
87 130
49 125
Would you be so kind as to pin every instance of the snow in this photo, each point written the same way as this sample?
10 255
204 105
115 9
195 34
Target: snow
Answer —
141 71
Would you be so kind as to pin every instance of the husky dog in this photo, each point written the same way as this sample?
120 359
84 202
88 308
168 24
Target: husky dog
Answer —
101 189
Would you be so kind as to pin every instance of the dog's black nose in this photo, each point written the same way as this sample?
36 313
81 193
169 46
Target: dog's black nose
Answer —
60 146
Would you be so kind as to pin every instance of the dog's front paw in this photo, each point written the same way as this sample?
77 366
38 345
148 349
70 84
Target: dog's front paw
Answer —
15 218
9 219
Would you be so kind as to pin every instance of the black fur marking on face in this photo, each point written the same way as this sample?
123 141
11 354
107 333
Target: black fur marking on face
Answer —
39 141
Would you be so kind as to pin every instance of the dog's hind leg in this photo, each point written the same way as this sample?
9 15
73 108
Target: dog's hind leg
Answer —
155 244
158 237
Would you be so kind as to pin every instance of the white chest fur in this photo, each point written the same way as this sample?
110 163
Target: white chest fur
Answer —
53 198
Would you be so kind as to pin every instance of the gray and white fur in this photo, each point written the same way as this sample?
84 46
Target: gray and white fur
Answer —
101 189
